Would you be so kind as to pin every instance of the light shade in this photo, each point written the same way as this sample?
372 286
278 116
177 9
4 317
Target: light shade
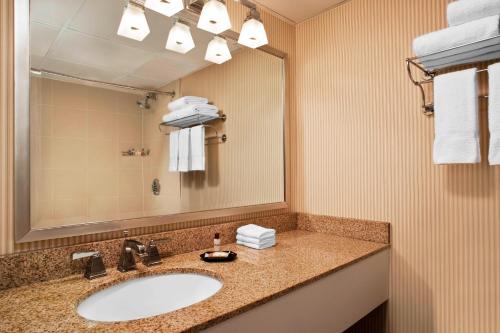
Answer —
218 51
133 24
253 34
180 39
214 17
165 7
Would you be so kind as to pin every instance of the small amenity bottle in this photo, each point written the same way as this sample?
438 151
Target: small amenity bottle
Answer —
217 242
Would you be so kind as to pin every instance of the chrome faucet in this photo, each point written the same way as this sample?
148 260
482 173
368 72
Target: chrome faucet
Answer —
95 266
149 254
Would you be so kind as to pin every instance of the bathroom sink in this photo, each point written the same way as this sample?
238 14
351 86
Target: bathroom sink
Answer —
148 296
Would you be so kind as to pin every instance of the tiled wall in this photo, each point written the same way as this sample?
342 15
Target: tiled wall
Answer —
78 172
156 164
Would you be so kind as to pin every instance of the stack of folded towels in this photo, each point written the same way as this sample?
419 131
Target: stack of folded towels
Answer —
470 21
256 237
189 106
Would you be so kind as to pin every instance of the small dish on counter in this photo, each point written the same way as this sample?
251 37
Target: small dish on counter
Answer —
218 256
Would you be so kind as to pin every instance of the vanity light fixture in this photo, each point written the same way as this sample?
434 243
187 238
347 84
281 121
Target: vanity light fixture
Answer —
214 17
179 38
133 24
253 34
218 51
165 7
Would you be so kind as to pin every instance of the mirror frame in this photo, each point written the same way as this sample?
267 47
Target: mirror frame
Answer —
22 197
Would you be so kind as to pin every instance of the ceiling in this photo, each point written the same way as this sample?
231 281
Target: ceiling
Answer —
298 10
78 38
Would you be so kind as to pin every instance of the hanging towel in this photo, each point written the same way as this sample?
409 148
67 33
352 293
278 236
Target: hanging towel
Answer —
255 231
463 11
191 110
456 118
184 150
257 246
186 100
494 113
173 165
197 149
457 36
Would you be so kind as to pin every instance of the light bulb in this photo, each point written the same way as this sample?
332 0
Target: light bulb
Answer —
218 51
165 7
214 17
253 34
180 39
133 24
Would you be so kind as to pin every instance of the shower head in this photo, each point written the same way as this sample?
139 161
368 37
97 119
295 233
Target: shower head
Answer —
145 102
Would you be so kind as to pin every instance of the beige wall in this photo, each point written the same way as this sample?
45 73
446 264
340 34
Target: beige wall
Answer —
249 168
6 128
281 36
366 152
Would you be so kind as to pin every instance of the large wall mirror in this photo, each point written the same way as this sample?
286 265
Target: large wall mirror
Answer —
90 105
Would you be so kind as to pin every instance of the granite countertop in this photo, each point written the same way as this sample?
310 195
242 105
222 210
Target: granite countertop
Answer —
254 278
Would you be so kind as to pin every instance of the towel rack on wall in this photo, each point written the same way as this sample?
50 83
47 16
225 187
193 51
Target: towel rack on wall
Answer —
428 107
197 120
431 65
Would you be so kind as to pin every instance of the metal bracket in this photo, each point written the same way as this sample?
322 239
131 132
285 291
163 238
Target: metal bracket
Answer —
428 108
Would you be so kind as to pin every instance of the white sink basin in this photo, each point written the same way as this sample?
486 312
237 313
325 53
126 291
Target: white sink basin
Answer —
147 297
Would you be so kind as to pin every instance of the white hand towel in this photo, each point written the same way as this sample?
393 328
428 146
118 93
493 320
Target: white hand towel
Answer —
494 113
456 36
191 110
463 11
255 231
184 150
173 165
186 100
197 149
257 246
254 240
456 118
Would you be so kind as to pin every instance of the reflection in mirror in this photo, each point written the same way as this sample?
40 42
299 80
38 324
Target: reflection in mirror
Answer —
97 99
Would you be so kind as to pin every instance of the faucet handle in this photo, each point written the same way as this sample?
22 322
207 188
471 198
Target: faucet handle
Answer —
95 266
152 255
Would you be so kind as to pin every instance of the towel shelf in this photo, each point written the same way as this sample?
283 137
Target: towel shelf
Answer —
428 78
194 120
431 65
197 120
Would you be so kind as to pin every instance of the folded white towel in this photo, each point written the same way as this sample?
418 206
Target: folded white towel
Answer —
257 241
494 113
456 36
257 246
456 118
173 165
255 231
197 149
463 11
191 110
186 100
184 150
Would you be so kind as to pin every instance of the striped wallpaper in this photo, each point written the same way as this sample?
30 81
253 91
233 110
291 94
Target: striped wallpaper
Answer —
365 151
248 169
